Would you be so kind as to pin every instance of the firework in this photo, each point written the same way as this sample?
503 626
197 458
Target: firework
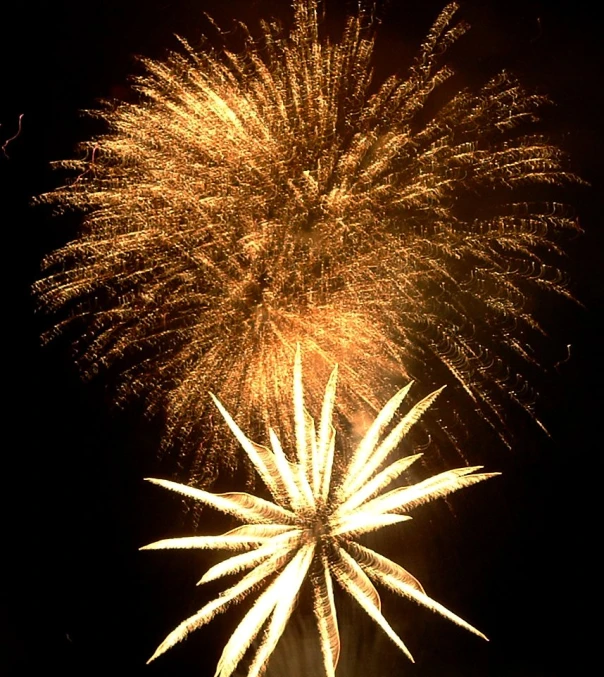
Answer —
253 200
309 530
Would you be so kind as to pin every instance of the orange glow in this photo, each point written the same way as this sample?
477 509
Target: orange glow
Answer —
254 200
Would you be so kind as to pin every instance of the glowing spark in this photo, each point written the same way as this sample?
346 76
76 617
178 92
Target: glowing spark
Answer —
254 200
309 530
13 137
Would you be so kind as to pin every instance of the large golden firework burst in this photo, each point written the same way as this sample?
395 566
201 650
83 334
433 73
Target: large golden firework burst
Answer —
277 195
309 530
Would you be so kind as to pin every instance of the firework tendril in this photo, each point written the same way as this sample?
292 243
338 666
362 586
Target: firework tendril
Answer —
257 199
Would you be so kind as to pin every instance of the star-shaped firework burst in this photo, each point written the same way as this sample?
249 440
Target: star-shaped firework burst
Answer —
310 530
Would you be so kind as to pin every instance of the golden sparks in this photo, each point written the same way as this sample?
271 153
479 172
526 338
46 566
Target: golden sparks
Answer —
309 530
253 200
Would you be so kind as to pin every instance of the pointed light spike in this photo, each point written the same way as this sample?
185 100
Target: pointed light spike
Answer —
368 443
361 523
350 569
276 484
256 617
418 494
328 469
261 532
245 634
285 470
243 561
231 595
184 489
352 578
377 484
327 619
180 633
235 564
432 491
326 426
184 629
262 458
255 509
392 440
313 452
369 560
305 488
244 506
400 587
283 609
250 448
250 581
225 542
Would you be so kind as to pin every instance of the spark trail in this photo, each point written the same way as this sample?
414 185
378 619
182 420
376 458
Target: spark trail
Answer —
276 195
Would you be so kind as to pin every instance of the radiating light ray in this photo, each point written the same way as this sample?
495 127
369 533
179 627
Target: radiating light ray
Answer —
314 538
276 195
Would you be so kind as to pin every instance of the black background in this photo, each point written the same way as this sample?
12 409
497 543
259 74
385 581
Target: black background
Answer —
515 556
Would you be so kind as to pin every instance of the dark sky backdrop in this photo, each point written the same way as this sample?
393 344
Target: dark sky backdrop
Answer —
515 556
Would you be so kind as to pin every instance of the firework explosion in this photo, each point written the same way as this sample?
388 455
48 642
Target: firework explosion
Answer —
309 530
257 199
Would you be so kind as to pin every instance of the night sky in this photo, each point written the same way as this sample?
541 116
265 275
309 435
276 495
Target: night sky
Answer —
514 556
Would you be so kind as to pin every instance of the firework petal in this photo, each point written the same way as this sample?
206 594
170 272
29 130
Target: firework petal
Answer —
327 619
